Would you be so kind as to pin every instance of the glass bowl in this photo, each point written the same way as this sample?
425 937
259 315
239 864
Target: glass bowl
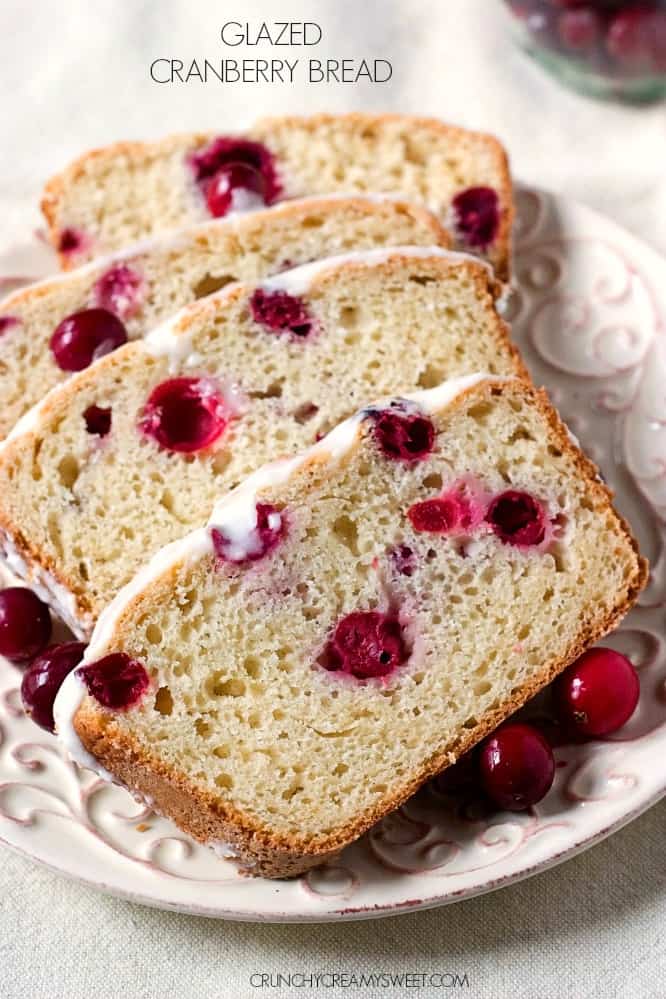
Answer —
604 48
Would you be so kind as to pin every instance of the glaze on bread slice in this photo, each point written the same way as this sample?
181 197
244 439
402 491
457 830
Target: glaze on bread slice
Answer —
138 288
353 620
113 196
133 452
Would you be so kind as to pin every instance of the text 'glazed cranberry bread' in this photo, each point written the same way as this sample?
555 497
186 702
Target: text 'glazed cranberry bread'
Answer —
351 621
115 195
133 452
60 325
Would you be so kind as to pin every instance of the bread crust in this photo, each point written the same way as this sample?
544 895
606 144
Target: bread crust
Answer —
259 849
140 154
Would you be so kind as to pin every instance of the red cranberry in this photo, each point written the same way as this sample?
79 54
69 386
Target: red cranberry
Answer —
403 436
462 776
477 216
119 291
517 766
442 515
580 29
281 313
270 529
365 644
637 38
116 681
85 336
43 679
598 693
568 3
517 518
7 323
224 151
229 178
522 8
98 420
71 241
185 414
542 26
25 624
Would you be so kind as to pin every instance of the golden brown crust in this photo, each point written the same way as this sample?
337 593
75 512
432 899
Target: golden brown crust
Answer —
262 851
142 153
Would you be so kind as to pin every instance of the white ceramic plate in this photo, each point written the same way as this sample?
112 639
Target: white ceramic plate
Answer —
586 314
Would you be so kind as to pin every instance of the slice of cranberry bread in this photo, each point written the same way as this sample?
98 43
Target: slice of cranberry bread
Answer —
351 621
133 452
59 325
115 195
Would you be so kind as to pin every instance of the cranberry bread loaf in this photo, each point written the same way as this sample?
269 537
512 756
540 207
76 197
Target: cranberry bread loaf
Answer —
59 325
351 621
121 193
133 452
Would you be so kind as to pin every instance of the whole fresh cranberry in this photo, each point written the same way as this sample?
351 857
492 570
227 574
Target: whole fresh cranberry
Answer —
462 776
25 624
598 693
86 336
516 766
542 26
580 29
637 38
43 679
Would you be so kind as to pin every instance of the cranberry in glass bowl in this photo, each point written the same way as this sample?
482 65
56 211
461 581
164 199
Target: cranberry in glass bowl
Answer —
604 48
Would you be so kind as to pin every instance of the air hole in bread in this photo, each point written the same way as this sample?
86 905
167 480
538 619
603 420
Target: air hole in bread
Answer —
274 391
430 376
68 470
346 532
164 701
211 283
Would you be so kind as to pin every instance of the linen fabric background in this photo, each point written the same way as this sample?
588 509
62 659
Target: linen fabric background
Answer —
74 74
